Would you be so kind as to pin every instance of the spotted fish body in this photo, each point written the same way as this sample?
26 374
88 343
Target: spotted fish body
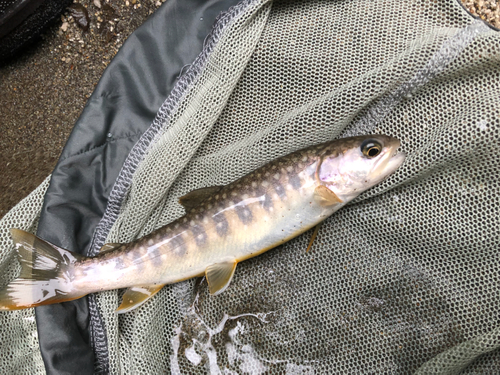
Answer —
227 225
242 220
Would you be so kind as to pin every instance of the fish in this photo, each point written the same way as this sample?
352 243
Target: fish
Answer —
223 225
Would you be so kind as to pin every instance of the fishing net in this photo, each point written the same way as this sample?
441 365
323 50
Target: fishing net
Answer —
403 279
19 351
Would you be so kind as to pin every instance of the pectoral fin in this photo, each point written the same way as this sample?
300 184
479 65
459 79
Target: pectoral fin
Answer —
219 276
325 196
136 296
313 237
195 197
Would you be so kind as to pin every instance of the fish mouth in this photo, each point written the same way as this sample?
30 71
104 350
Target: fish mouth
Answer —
396 160
391 161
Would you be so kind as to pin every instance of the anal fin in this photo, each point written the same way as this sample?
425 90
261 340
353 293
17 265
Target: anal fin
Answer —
219 275
135 296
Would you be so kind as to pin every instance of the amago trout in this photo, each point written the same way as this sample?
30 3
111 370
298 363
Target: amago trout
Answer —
224 225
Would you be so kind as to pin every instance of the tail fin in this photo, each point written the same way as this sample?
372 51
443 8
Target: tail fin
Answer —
46 273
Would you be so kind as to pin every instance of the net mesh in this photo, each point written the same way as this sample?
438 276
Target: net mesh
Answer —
404 279
19 351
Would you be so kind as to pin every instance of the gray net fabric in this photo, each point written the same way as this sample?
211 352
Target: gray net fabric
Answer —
19 352
405 278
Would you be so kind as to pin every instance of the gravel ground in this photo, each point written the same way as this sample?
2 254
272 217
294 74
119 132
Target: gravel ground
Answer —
43 92
488 10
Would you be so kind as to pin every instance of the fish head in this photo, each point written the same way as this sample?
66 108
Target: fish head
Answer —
350 166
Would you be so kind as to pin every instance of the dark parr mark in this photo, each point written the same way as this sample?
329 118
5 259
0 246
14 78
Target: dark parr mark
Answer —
221 225
155 256
244 214
199 235
267 203
280 191
295 182
177 245
120 264
136 256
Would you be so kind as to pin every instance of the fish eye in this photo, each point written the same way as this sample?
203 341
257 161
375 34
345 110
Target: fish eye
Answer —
371 148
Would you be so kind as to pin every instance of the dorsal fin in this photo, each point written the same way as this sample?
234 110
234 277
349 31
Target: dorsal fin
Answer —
194 198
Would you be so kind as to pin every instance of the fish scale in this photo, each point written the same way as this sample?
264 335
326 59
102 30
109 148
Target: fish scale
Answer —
223 226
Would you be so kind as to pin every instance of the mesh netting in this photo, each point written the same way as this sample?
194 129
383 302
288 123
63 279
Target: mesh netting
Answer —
19 351
404 278
408 271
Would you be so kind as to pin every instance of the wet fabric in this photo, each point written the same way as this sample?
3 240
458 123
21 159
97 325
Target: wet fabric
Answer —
403 279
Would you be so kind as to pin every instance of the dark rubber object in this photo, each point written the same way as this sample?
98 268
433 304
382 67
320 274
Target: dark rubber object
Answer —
22 22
